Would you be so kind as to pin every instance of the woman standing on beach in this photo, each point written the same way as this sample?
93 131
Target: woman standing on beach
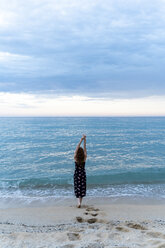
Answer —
80 156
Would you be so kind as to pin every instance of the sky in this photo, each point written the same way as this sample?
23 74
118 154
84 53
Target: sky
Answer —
82 58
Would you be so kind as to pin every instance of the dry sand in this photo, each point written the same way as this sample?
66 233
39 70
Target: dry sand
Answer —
99 223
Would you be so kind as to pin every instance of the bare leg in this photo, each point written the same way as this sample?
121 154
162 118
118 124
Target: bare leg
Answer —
79 202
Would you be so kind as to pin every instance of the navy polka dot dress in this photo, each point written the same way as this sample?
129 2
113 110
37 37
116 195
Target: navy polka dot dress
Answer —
80 180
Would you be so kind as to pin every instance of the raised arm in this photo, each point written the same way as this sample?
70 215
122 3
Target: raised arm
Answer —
77 148
85 150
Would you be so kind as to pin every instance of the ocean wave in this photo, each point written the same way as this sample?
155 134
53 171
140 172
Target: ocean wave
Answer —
113 177
134 176
34 183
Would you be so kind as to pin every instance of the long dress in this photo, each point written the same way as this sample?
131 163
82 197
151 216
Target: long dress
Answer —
80 180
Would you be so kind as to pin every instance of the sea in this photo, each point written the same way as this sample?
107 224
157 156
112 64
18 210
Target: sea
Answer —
125 158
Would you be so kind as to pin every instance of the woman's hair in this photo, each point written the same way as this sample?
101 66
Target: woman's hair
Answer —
80 155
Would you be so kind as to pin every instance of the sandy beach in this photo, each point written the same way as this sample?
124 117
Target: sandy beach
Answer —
99 223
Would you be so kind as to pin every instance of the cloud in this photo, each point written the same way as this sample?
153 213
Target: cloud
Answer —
83 47
23 104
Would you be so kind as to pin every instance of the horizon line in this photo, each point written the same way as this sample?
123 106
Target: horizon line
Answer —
81 116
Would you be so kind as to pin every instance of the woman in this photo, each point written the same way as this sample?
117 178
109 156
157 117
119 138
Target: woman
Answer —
80 156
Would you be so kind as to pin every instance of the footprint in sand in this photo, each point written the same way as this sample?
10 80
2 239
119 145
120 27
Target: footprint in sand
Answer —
136 226
73 236
156 235
122 229
92 209
94 215
92 220
79 219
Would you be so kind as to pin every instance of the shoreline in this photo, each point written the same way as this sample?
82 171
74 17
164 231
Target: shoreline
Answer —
67 201
98 224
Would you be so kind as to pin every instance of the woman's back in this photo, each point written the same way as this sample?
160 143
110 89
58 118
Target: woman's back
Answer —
79 165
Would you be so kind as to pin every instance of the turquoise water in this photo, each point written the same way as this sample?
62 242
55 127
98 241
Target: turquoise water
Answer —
126 157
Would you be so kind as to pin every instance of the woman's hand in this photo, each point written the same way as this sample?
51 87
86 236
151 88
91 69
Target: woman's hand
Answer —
84 136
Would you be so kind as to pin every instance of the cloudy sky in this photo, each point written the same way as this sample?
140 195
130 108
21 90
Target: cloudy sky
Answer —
81 57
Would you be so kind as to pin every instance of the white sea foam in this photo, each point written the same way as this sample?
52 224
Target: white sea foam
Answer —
49 197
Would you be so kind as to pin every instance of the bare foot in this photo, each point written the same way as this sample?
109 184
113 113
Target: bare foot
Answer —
79 206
